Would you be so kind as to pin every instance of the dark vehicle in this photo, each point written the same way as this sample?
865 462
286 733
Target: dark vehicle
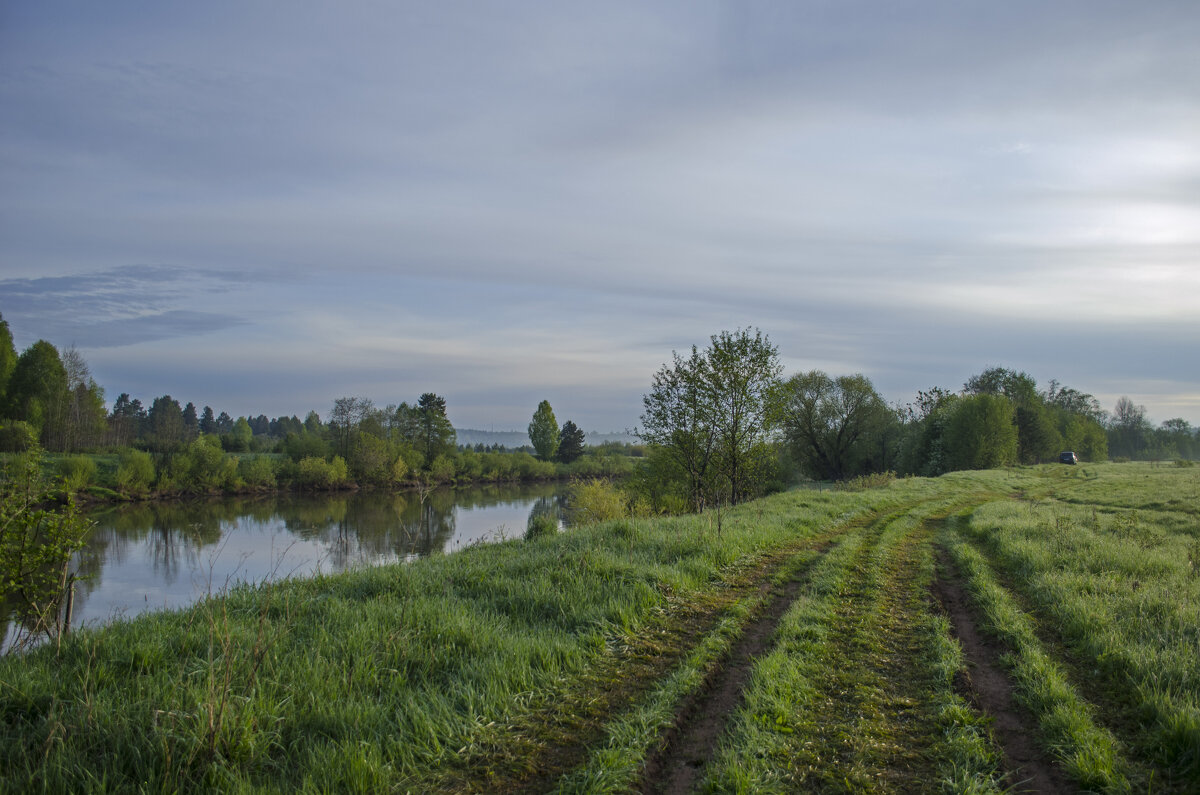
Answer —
1068 458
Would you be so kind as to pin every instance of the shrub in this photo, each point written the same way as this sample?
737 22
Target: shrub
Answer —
596 501
36 546
539 526
17 436
442 469
257 472
135 472
1183 462
317 473
77 471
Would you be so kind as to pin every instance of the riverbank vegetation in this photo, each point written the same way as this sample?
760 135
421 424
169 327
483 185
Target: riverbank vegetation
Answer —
568 662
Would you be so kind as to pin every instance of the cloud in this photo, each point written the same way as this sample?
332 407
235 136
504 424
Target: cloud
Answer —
117 307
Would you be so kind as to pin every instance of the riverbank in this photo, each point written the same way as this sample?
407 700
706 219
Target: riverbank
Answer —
132 476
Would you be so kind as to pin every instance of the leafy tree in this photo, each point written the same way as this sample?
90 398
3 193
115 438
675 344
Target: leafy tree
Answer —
712 411
1020 388
165 431
980 433
126 420
679 419
8 357
570 442
37 390
38 537
543 431
345 418
85 417
238 440
1129 430
1177 434
1074 402
1038 438
835 425
745 373
312 422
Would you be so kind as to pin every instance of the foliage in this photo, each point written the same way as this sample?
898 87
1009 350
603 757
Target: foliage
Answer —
540 526
436 434
77 472
712 411
17 436
316 473
165 431
37 390
37 540
257 472
596 500
135 472
543 431
8 358
837 426
570 442
980 433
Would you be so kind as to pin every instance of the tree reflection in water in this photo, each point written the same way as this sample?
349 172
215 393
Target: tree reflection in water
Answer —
152 555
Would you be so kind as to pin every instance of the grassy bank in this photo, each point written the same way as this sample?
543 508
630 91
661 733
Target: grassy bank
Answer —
560 663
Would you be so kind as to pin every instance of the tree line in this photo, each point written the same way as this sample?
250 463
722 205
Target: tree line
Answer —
722 424
49 401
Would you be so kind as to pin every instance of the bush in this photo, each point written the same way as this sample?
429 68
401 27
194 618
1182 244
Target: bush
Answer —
317 473
17 436
596 501
135 472
1183 462
36 546
257 472
77 471
540 526
442 469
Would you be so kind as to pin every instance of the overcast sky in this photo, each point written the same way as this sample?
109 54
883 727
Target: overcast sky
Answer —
262 207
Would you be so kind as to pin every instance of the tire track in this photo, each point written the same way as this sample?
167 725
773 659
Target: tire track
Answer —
700 722
990 690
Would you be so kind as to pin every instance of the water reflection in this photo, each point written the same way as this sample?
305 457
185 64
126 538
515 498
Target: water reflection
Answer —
166 555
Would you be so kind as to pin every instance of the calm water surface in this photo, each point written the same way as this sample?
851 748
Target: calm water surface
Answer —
167 555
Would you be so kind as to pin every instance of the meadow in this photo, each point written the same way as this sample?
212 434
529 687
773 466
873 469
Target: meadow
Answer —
801 642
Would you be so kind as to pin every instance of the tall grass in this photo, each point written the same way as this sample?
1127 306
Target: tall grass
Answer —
279 686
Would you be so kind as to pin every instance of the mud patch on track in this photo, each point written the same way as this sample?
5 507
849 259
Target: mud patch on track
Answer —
700 720
989 688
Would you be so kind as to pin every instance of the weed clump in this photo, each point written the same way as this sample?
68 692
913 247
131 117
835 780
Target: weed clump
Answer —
540 527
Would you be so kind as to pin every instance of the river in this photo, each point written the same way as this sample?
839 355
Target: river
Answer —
162 555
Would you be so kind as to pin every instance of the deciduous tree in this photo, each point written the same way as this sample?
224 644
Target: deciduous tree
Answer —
543 431
836 425
712 412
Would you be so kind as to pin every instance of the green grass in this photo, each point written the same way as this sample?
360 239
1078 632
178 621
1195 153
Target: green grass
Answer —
558 663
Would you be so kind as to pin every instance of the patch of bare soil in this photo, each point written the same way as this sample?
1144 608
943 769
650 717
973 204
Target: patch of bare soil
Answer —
701 718
1030 770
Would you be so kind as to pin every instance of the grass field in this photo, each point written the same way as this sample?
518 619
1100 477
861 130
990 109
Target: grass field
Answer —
808 646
